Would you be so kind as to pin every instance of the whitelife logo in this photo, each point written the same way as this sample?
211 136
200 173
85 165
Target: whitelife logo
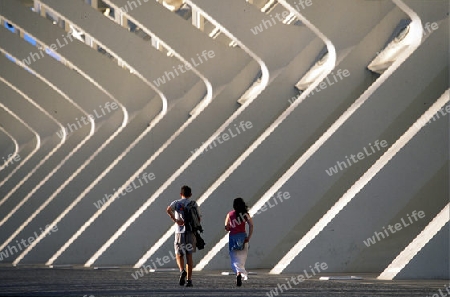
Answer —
327 82
280 288
14 249
183 68
147 177
104 110
398 226
266 24
53 47
9 160
341 165
225 136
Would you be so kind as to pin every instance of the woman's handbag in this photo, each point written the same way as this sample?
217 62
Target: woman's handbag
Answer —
237 242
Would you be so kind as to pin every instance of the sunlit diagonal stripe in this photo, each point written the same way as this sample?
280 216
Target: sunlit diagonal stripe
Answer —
265 75
163 112
84 193
166 183
209 88
22 162
117 193
357 187
73 66
67 181
16 148
129 148
262 86
162 188
212 253
41 162
75 202
155 247
137 73
416 245
328 67
416 31
63 138
120 157
79 169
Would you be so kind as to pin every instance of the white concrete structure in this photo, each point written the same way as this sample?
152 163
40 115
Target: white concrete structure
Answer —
110 106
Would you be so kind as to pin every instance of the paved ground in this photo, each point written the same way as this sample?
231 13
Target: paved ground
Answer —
119 282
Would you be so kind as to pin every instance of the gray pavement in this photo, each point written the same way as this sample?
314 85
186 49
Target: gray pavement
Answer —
32 281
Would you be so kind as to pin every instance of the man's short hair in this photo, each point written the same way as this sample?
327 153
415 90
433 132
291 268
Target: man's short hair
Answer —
186 191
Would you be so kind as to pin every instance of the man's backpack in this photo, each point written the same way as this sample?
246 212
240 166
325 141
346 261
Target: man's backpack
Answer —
191 217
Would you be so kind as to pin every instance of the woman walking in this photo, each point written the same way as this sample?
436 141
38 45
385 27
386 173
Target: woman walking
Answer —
235 223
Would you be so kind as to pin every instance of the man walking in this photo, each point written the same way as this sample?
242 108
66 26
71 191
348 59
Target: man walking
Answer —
185 242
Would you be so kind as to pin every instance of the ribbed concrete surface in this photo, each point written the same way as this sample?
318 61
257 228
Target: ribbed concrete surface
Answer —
119 282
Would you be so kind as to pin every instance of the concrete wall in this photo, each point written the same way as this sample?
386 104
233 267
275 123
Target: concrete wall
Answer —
286 144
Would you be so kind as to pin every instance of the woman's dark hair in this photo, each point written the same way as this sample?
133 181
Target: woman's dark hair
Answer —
240 207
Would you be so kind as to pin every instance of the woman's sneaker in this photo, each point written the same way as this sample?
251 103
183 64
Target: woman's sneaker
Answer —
239 280
189 283
183 277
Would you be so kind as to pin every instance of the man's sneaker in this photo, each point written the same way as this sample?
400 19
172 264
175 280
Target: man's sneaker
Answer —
183 277
239 280
189 283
